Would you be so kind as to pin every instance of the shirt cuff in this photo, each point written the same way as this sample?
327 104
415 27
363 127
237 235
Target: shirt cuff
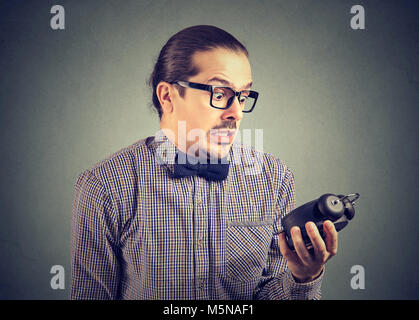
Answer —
302 291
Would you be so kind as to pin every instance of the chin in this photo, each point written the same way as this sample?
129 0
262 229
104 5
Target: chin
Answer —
218 151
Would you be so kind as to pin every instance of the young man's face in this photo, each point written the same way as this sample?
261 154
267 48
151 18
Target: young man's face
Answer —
209 131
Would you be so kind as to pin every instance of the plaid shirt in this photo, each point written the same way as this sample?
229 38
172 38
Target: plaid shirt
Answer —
138 233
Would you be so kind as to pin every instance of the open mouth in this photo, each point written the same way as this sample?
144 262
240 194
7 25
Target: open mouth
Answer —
222 136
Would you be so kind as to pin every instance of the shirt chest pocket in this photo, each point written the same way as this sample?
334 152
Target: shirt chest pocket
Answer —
247 248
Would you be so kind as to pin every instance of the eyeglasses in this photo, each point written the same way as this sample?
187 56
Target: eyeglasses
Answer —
223 97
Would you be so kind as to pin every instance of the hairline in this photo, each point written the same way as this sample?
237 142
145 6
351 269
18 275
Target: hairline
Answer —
215 78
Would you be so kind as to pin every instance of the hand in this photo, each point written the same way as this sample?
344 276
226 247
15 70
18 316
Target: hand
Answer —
304 264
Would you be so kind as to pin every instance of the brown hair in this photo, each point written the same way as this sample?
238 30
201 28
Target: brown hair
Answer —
175 58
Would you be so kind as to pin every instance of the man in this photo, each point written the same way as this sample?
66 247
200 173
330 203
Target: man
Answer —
189 214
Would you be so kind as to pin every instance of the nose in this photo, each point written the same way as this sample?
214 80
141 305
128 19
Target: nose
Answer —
235 111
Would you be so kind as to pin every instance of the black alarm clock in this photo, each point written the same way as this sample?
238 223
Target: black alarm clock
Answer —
339 209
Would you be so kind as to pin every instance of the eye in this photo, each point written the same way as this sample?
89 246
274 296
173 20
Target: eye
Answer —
218 95
243 99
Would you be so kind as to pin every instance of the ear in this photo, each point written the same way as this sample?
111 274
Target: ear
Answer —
164 92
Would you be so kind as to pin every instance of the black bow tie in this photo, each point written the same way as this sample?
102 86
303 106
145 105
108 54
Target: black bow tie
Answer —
209 171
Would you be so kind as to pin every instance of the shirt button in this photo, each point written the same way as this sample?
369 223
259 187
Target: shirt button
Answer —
200 242
199 202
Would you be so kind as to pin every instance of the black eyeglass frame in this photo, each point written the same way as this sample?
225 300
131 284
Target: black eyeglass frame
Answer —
210 88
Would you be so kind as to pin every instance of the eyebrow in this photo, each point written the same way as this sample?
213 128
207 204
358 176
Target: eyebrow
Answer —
228 83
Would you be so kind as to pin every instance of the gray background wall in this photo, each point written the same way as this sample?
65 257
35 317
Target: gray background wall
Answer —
339 106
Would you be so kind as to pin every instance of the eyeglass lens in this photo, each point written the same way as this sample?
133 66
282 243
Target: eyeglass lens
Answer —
223 98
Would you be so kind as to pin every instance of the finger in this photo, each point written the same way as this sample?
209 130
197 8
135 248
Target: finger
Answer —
285 249
300 247
319 246
331 237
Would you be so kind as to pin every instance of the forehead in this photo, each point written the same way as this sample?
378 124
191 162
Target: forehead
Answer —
225 64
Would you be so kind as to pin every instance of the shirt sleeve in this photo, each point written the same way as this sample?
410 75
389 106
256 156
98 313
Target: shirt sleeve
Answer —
94 263
278 282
